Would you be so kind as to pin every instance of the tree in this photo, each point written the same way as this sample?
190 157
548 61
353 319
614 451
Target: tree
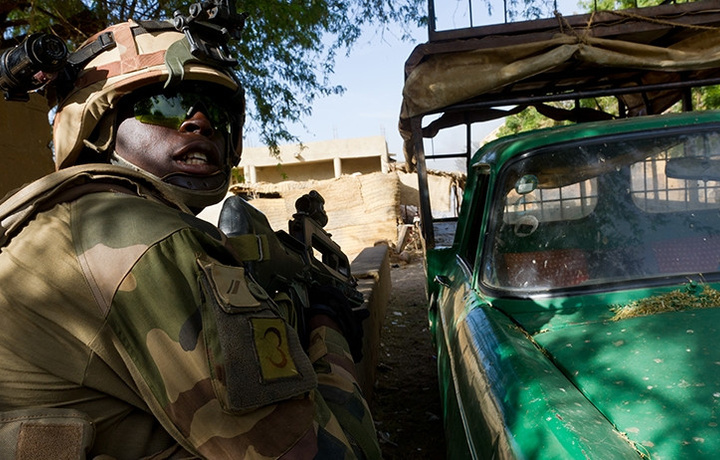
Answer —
287 52
530 118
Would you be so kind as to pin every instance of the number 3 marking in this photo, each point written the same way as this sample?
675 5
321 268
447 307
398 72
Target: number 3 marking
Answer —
282 362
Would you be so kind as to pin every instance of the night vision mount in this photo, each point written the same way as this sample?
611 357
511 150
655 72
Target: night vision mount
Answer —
209 27
43 58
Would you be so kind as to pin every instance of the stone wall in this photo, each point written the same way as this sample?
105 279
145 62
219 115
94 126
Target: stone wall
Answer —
361 209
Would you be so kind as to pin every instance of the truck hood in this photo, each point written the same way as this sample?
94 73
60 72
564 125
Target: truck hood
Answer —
656 378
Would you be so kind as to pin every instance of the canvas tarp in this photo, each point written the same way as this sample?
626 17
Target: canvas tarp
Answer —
573 60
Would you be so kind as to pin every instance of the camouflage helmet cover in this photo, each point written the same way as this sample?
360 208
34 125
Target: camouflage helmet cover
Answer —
141 57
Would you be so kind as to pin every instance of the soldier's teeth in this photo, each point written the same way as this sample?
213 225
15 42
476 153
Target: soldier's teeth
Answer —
195 158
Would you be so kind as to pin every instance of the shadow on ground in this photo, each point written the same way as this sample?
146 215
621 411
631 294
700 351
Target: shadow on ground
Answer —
406 405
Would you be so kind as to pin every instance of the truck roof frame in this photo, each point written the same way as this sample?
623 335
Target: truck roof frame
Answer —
642 79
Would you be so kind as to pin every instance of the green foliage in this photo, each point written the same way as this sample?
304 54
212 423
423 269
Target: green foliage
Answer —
526 120
287 52
597 5
237 176
706 98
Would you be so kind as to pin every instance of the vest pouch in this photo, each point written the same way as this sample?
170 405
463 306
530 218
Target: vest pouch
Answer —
256 357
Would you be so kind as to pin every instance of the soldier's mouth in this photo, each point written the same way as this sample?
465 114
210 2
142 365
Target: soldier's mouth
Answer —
199 156
194 158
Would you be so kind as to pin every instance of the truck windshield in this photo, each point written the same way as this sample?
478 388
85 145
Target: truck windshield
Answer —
607 211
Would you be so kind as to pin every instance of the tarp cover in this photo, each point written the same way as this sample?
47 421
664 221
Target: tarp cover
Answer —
575 60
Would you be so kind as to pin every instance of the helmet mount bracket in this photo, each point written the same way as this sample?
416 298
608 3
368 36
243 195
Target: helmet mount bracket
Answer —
209 27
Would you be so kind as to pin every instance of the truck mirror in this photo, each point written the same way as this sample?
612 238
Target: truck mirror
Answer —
693 169
526 184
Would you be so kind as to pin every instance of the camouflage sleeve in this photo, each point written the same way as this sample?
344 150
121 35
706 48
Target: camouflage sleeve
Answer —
337 383
219 368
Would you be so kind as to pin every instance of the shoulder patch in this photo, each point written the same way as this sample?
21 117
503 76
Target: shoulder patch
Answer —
231 287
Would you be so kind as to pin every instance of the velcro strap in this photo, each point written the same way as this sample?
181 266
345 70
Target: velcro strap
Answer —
64 434
87 53
251 247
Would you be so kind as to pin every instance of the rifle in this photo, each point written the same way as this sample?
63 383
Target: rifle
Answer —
304 264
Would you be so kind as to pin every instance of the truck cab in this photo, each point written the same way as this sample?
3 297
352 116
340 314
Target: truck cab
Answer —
575 304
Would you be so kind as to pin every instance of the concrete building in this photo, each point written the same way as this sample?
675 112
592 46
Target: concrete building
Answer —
316 160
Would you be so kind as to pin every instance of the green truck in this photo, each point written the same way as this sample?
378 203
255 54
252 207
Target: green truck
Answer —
575 305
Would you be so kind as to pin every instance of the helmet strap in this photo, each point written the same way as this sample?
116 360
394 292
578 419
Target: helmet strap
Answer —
117 160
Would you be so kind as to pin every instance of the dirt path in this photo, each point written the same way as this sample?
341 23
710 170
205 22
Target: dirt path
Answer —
406 406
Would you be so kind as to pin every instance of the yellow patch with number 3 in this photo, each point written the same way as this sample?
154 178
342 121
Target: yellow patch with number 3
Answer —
271 346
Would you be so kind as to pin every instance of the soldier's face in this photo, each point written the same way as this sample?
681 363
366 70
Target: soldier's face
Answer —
195 147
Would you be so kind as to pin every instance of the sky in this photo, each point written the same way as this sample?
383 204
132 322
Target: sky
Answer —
373 78
370 106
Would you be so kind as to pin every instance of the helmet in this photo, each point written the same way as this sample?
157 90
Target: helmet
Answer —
122 59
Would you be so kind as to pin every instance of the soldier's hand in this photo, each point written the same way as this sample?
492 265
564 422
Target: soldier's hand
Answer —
330 301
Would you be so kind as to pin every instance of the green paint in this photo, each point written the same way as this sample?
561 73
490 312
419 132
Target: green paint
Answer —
534 366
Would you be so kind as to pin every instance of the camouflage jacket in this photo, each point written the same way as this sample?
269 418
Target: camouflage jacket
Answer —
141 318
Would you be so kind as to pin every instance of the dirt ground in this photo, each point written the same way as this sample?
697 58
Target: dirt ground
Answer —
406 406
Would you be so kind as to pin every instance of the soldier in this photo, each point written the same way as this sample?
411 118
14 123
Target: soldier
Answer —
131 328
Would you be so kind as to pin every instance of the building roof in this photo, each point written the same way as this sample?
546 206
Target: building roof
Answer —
362 147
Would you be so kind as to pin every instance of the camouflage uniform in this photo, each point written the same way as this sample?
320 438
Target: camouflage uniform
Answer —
138 319
131 328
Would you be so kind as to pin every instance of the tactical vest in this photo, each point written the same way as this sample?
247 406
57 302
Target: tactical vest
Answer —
53 432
